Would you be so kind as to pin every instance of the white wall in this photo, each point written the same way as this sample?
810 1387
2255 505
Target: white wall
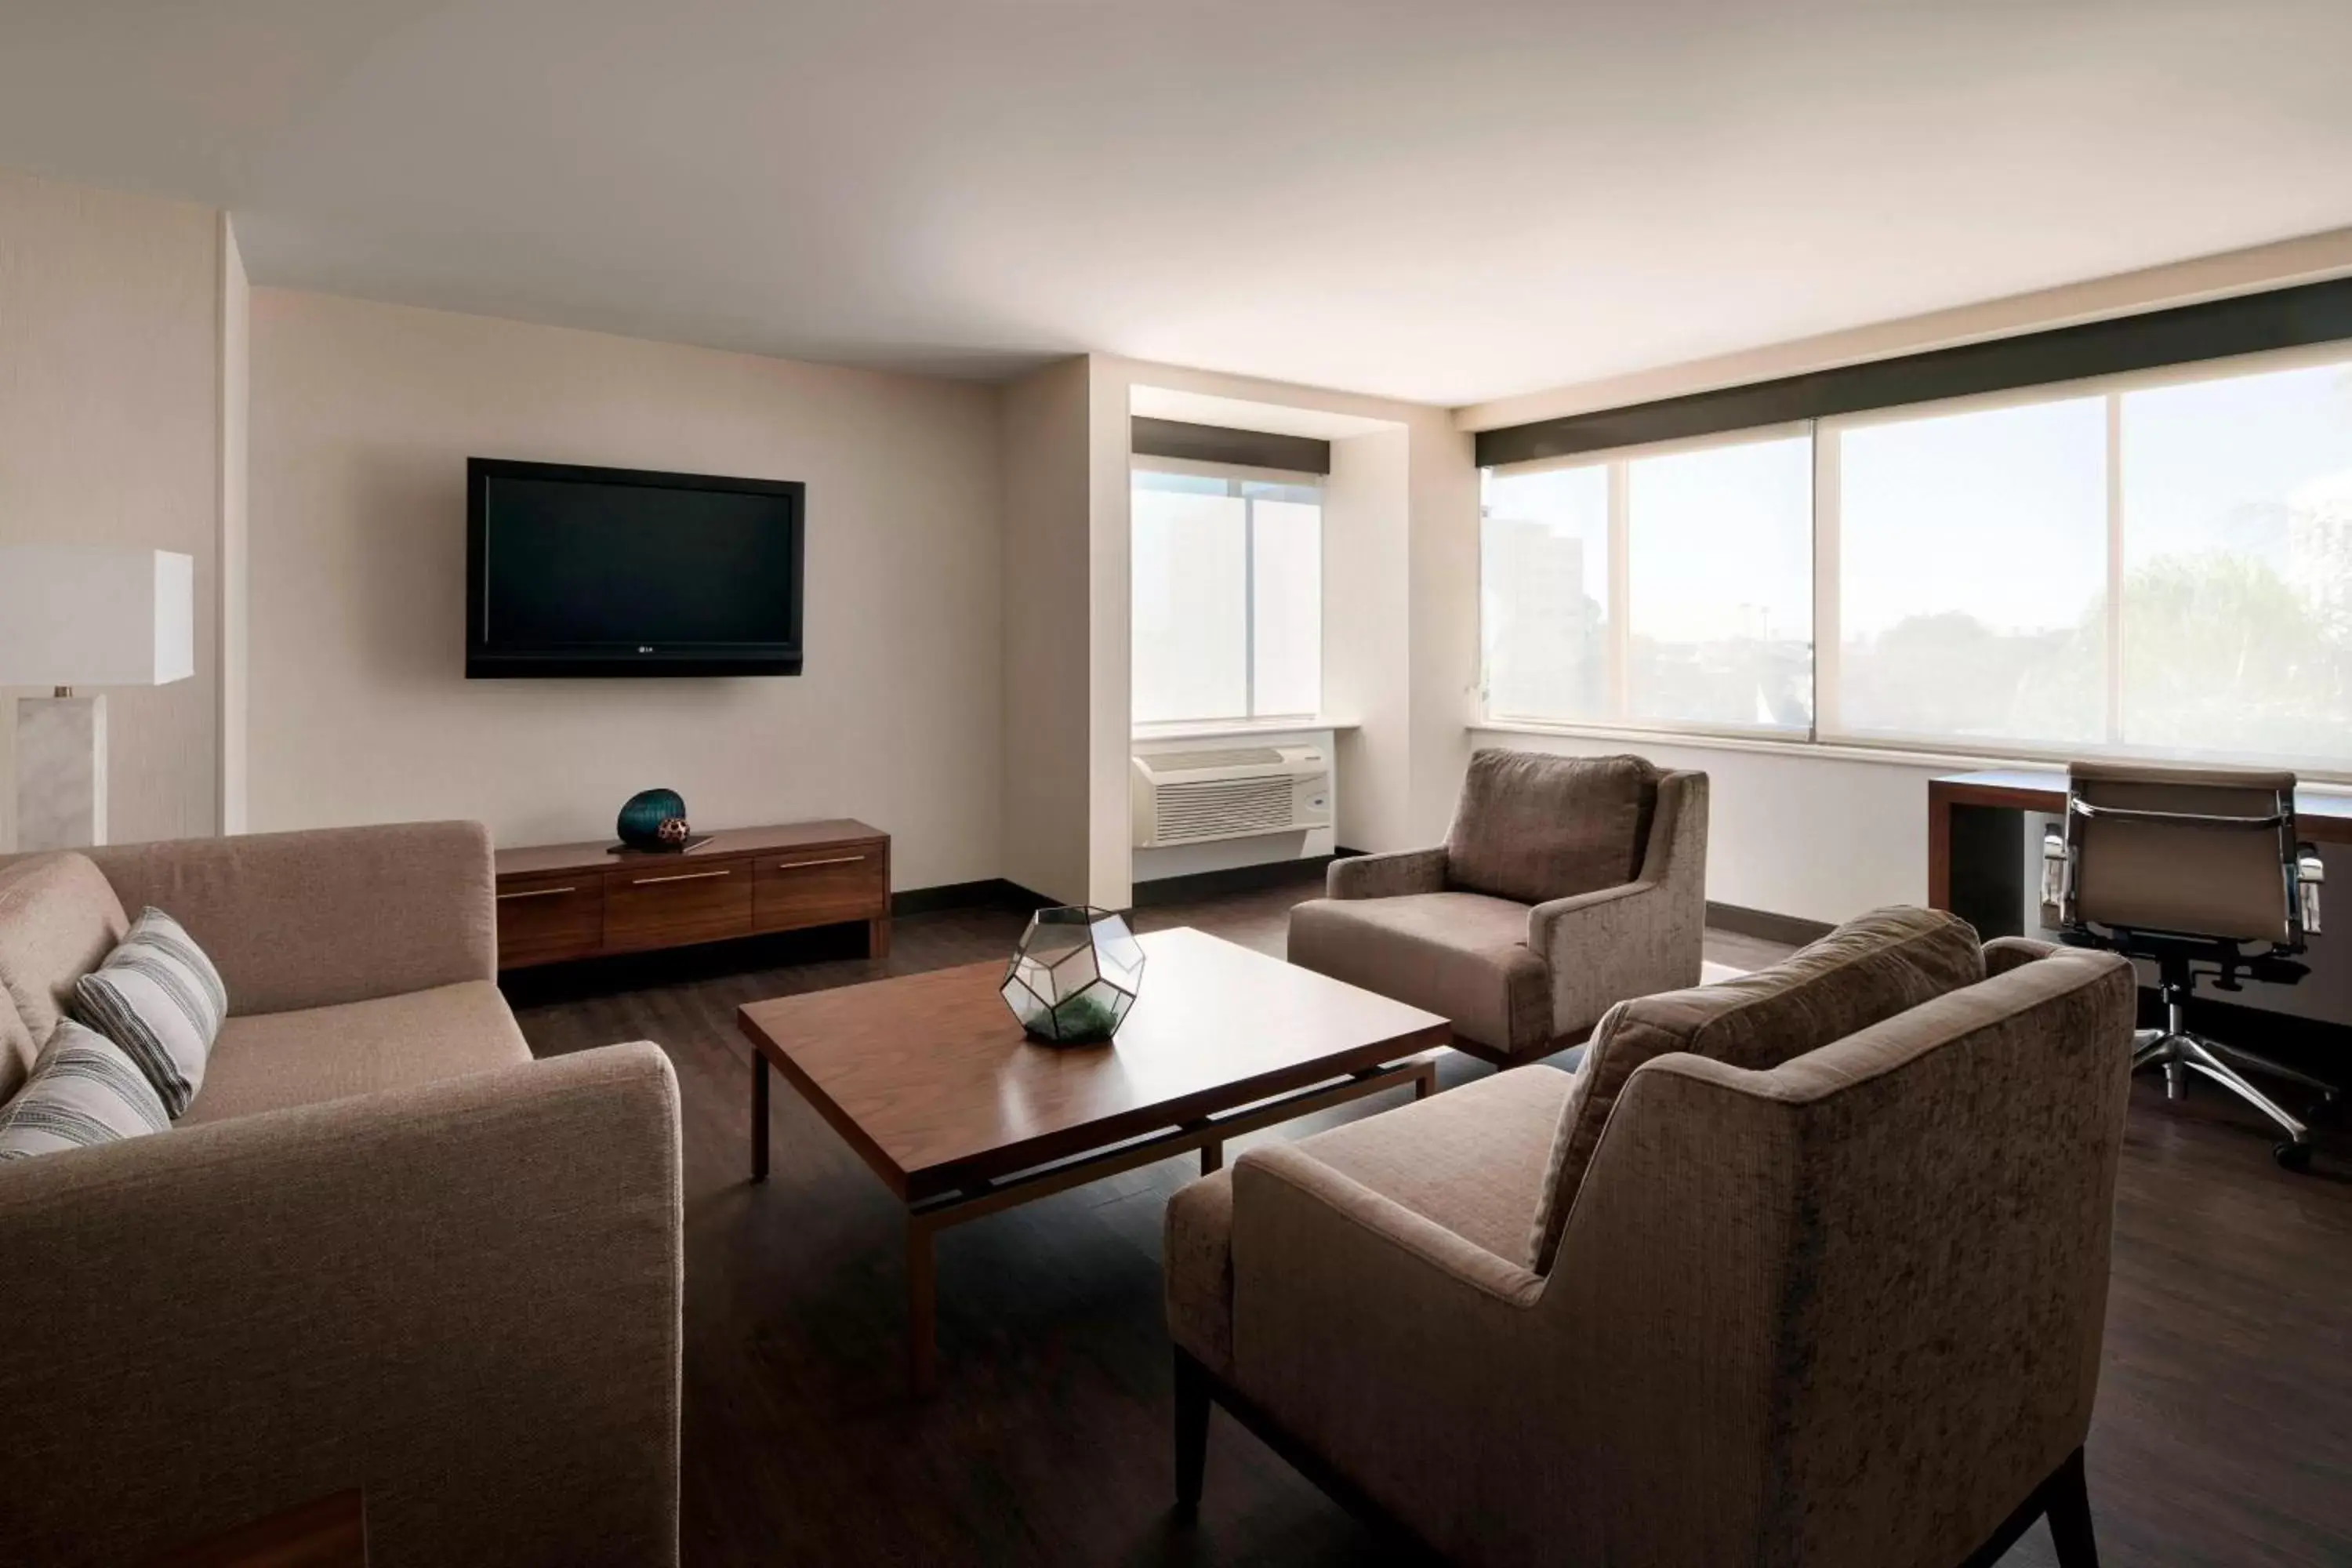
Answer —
111 394
1414 672
1367 662
236 420
362 418
1047 690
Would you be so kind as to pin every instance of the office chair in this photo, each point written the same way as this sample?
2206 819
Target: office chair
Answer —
2200 872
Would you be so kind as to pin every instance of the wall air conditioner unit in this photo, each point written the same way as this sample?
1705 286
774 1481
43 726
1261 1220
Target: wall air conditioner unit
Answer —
1192 797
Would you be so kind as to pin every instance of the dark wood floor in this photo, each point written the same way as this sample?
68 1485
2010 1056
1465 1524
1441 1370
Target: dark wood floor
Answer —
2224 1427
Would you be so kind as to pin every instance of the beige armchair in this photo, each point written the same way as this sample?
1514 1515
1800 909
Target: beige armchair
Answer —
1566 885
1842 1309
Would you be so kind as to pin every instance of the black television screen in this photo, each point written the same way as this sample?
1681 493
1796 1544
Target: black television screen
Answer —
577 570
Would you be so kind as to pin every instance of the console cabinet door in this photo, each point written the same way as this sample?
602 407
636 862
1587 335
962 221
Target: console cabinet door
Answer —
542 919
819 886
653 905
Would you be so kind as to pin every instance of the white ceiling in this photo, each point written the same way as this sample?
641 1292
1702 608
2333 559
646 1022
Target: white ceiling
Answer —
1441 202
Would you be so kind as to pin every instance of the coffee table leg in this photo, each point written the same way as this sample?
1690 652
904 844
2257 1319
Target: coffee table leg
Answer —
1213 1157
1424 1082
922 1311
759 1116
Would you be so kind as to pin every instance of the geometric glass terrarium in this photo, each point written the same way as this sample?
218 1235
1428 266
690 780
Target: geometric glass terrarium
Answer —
1075 975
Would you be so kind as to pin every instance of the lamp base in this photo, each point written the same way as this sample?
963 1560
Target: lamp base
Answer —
60 772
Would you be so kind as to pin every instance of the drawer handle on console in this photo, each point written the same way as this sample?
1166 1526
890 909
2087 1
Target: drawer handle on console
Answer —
680 877
538 892
803 865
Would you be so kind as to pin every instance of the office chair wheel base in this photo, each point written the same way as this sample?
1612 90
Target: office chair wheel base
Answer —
2292 1155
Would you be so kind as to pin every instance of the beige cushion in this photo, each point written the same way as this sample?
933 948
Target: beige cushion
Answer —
266 1061
1869 969
16 1049
1471 1159
1534 827
58 920
1465 956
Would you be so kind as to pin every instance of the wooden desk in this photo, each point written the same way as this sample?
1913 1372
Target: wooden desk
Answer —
575 900
928 1078
2318 818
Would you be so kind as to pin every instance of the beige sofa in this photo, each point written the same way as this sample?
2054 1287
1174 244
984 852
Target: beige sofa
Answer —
1841 1308
1566 885
384 1248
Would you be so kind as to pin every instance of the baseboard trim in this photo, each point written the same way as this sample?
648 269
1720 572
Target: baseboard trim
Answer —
989 893
1766 925
1232 879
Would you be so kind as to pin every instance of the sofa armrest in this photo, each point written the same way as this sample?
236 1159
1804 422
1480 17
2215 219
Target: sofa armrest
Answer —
1387 876
312 920
462 1297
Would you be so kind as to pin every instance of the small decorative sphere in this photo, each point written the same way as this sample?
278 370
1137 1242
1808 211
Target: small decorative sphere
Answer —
673 830
641 819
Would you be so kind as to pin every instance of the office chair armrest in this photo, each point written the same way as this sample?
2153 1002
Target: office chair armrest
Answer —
2309 873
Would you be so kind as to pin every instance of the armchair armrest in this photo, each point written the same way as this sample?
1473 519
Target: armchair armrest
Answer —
1388 876
462 1297
1633 939
312 920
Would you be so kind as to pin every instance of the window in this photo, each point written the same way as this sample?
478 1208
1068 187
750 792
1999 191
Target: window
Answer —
1973 576
1706 623
1227 584
2156 563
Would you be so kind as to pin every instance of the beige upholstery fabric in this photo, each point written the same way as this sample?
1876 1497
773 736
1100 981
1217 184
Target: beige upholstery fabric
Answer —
1870 968
2160 877
464 1295
1386 876
310 919
2003 953
1462 954
1471 1161
277 1060
1197 1270
58 920
16 1049
1846 1311
1645 936
1531 827
1519 981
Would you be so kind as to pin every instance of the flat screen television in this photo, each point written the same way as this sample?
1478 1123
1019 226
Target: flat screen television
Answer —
577 570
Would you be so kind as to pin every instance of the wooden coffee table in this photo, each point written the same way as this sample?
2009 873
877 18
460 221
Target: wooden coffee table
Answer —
931 1081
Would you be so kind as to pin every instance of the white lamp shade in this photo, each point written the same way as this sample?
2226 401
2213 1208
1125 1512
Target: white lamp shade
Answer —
71 616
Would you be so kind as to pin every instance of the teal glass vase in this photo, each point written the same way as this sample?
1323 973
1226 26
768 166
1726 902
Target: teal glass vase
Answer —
639 827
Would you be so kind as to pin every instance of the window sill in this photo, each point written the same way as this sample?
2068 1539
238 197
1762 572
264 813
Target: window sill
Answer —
1828 751
1212 728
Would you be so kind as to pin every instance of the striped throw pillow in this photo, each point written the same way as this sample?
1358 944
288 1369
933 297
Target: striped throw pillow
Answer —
83 1090
160 998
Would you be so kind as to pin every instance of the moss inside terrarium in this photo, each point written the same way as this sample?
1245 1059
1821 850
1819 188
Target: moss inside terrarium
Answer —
1085 1017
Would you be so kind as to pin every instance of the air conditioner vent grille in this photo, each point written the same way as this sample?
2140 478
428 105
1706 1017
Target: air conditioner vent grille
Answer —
1224 809
1236 757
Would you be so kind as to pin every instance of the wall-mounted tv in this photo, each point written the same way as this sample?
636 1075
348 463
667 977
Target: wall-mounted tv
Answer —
576 570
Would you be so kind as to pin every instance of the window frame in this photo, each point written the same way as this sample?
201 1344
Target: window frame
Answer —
1824 735
1238 475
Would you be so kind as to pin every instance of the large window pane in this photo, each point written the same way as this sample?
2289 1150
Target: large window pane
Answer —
2238 565
1190 578
1287 599
1720 576
1544 594
1972 574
